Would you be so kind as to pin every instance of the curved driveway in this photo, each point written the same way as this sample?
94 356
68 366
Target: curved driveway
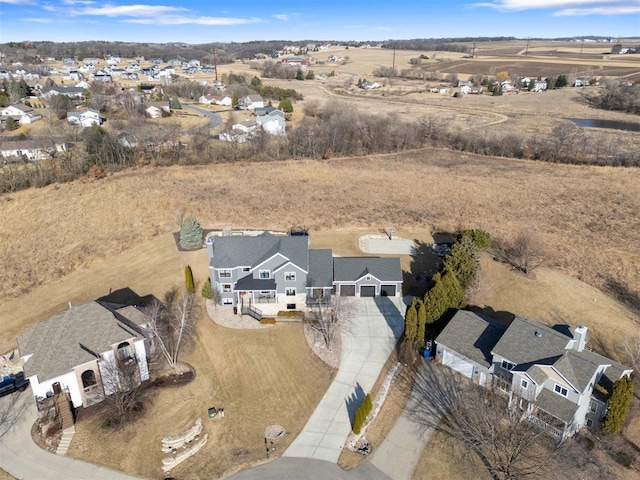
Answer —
371 332
214 118
22 458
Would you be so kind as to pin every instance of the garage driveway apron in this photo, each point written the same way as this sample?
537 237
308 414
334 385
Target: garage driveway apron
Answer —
369 336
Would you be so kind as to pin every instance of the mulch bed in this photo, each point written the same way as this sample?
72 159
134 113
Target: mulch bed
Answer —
169 378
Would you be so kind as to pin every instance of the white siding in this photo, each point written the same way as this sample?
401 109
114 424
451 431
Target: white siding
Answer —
67 380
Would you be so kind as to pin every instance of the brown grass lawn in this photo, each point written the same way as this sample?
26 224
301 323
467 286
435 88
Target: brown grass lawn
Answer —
5 476
261 377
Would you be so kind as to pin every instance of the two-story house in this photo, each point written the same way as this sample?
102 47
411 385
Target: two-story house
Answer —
547 372
77 349
85 118
281 272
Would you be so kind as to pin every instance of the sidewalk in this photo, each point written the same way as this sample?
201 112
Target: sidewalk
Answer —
22 458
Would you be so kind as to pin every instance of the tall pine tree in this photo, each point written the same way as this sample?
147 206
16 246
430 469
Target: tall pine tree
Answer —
618 406
411 323
422 324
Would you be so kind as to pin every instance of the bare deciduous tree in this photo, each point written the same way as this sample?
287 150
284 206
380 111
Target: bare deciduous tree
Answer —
123 389
173 326
509 447
525 252
327 318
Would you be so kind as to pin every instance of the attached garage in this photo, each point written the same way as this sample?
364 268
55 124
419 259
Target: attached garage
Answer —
368 291
388 290
458 364
347 290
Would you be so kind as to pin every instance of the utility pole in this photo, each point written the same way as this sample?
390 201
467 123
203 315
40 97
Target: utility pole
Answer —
473 51
581 46
526 52
215 64
393 66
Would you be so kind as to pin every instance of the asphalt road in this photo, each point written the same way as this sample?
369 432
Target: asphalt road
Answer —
214 118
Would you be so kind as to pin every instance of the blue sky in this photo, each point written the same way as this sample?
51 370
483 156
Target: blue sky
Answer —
201 21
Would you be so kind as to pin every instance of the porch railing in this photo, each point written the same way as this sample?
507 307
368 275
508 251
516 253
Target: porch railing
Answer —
542 425
252 312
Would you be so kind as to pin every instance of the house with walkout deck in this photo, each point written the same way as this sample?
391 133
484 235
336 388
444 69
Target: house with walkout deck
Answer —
264 273
78 350
548 372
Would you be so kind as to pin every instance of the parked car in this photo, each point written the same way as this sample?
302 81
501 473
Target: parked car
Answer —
12 383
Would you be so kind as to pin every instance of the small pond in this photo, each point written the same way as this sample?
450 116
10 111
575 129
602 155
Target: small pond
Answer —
615 124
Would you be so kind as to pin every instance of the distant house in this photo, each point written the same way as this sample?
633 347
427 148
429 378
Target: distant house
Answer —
72 76
19 112
207 100
273 122
127 140
157 109
77 350
547 372
241 132
102 76
295 61
85 118
34 149
91 61
113 60
539 86
472 89
366 85
251 102
276 273
507 86
76 93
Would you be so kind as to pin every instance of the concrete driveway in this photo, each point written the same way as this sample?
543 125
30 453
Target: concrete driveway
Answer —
22 458
371 332
400 451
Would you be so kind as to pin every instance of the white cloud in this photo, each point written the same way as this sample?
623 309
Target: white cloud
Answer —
282 16
18 2
37 20
188 20
111 10
567 7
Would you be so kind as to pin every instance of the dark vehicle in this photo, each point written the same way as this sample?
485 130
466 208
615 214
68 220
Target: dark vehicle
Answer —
12 383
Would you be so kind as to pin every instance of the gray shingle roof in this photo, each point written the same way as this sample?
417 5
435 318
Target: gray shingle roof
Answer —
320 268
350 269
230 252
520 343
556 405
57 343
472 335
537 374
576 369
250 283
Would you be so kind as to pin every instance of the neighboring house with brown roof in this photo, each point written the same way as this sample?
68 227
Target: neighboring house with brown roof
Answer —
547 372
77 348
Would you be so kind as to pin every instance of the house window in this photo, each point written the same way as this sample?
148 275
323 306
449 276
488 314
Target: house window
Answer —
124 351
88 378
264 274
225 273
227 301
290 276
291 306
507 365
561 390
589 423
246 269
290 291
524 384
226 287
593 407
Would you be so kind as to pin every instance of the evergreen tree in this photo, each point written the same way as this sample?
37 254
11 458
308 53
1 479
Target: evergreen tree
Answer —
188 279
190 233
234 100
299 75
310 75
411 323
12 124
174 104
463 261
561 81
618 406
422 323
368 403
481 238
207 292
286 106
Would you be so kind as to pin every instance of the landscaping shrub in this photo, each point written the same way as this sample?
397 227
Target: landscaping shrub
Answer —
188 279
268 321
362 413
618 406
207 292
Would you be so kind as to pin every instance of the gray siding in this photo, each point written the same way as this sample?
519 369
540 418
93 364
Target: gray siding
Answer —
299 283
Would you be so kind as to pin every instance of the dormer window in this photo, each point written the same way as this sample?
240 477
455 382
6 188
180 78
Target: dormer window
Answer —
265 274
559 389
507 365
225 273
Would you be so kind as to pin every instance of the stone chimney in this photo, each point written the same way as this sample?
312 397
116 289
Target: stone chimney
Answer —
579 338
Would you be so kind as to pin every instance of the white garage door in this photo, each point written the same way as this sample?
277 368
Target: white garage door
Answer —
458 364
